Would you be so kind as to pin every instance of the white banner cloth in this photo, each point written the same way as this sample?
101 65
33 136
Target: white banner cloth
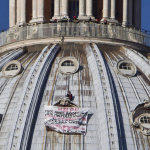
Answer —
66 119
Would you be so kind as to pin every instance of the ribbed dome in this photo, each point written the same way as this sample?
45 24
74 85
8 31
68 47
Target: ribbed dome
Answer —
118 114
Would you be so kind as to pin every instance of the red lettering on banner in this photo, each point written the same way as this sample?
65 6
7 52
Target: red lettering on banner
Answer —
69 128
83 128
71 109
68 109
84 119
64 119
59 109
65 110
76 109
74 127
58 126
63 127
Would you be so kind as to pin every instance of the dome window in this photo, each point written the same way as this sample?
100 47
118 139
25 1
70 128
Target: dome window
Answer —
68 65
145 119
12 68
140 117
126 68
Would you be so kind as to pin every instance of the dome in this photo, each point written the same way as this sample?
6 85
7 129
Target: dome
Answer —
74 75
109 97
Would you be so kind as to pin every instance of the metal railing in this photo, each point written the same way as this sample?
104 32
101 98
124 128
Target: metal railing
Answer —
91 30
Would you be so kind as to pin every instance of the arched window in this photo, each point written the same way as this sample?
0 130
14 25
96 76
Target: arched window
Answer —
145 119
12 67
126 66
67 63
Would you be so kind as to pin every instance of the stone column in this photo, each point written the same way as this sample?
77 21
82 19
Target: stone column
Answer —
23 12
105 9
34 11
130 12
81 9
40 11
113 7
18 11
113 12
64 8
12 15
125 13
56 9
89 9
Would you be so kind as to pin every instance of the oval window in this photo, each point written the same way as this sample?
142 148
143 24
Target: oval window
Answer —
12 68
68 65
145 122
126 68
145 119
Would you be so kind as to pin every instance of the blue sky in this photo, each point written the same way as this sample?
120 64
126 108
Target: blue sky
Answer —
145 14
4 14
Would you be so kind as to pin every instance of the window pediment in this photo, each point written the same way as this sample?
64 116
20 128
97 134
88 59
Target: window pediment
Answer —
141 117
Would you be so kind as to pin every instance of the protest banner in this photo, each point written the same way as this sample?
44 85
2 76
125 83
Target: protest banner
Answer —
66 119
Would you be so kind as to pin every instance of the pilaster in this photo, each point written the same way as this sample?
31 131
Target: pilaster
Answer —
65 8
56 9
113 12
41 11
125 13
18 11
82 10
105 9
12 14
34 11
23 12
89 9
